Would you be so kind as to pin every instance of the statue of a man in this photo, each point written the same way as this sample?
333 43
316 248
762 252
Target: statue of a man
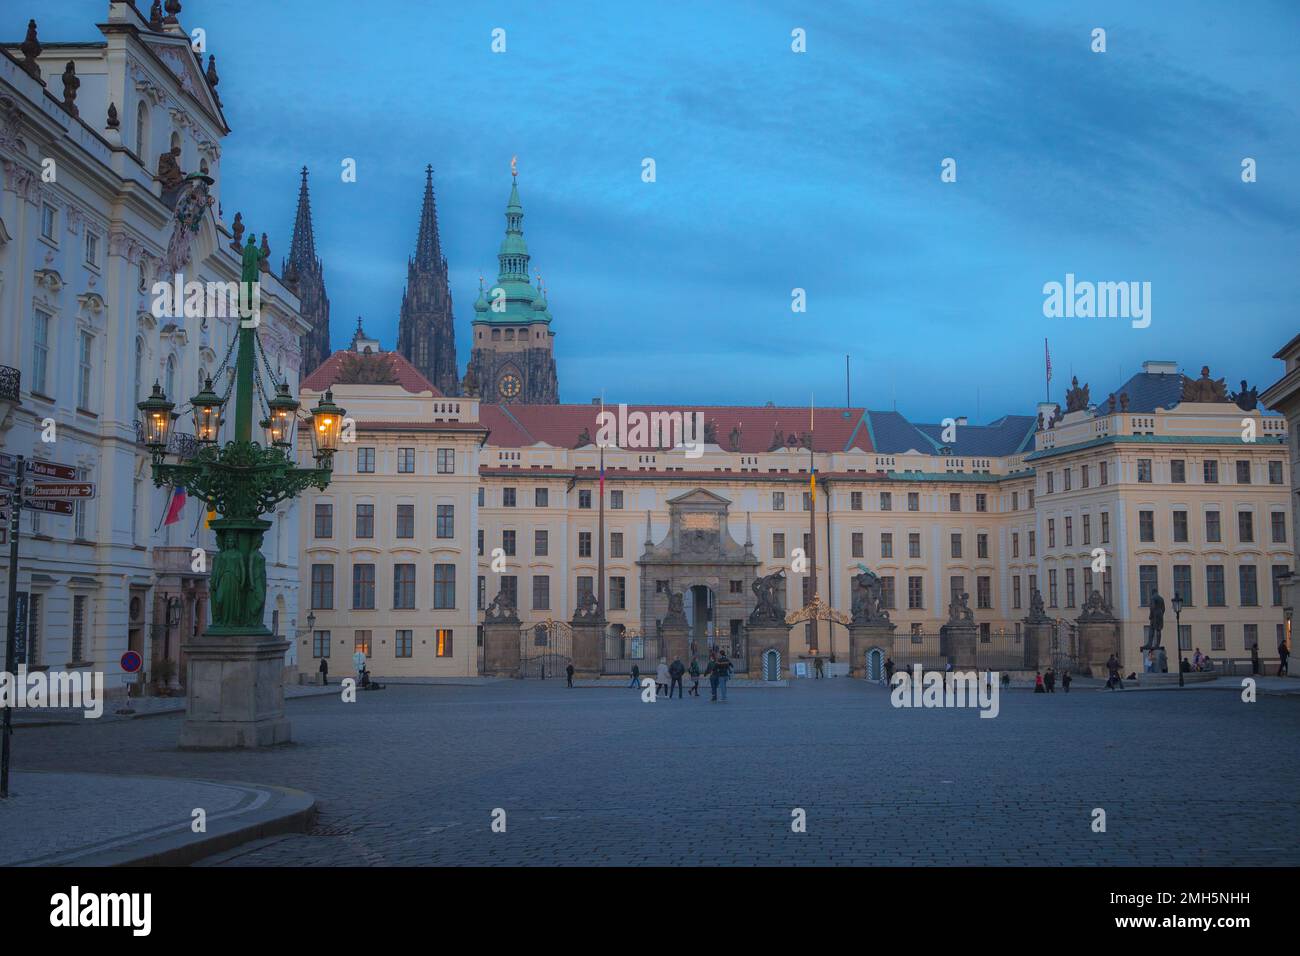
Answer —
1156 620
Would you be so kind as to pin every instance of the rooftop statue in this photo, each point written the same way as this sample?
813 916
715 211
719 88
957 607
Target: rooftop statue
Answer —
1076 398
1204 389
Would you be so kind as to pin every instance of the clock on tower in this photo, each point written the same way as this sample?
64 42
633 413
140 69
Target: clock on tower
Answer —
509 386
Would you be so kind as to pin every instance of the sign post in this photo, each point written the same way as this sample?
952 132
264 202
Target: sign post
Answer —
11 629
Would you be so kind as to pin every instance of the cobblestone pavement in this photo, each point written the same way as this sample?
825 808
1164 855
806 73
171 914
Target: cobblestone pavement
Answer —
411 775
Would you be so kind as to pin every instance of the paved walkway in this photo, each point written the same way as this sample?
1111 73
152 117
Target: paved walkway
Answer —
138 707
413 774
84 819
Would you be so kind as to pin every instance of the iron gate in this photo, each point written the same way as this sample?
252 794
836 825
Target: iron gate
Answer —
625 647
545 649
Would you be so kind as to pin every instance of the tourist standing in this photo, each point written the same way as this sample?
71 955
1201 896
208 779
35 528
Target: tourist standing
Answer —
1065 681
661 677
1038 683
818 668
568 673
1283 656
1254 658
324 671
889 670
1049 680
695 678
724 674
675 670
636 676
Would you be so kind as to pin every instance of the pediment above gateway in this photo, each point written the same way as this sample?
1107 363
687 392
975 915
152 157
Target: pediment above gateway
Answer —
699 496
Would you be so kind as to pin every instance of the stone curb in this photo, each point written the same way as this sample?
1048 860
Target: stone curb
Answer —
276 810
177 708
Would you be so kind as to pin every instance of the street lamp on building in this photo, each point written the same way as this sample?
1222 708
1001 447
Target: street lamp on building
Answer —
1177 604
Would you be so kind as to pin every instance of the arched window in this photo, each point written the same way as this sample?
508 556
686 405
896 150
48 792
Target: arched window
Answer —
169 386
142 131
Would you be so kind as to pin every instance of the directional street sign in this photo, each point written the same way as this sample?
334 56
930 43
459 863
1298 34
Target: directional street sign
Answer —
8 481
8 462
80 489
48 469
55 507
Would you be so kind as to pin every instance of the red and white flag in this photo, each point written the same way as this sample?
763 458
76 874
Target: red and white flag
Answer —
175 506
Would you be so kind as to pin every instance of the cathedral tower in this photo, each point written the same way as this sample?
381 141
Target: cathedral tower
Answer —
513 358
303 272
425 334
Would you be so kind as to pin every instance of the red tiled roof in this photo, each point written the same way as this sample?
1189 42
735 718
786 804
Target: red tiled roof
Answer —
517 426
406 374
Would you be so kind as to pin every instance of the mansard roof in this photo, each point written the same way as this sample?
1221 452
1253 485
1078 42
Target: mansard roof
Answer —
891 433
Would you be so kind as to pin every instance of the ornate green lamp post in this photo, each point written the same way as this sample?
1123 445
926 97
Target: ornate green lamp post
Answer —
235 690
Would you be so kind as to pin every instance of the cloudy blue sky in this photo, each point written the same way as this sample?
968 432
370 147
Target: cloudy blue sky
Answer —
779 170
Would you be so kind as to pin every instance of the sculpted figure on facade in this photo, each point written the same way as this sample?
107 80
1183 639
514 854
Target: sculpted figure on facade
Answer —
868 604
769 597
1204 389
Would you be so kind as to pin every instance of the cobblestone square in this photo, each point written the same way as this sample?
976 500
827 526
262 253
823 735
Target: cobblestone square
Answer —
411 776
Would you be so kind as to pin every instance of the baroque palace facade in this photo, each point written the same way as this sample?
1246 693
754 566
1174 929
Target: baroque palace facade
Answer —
95 141
444 507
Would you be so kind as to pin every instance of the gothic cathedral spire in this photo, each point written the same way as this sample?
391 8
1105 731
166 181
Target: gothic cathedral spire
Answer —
303 271
426 336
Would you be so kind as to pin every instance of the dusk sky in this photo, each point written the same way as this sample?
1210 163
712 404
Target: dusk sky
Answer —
778 170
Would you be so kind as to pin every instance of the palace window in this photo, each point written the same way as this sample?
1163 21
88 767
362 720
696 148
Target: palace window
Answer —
584 499
1275 473
50 223
320 643
778 501
322 587
1144 470
405 521
954 502
618 593
1212 530
1105 527
778 545
446 521
1066 475
915 593
1215 592
1180 526
913 501
1211 472
365 523
405 461
616 500
981 545
1148 583
1069 531
1178 471
1248 585
1183 583
324 520
887 597
1246 527
616 544
914 544
981 502
442 642
1146 526
584 544
444 586
363 587
541 543
1069 587
855 501
1015 592
1033 543
1087 529
41 351
541 497
857 544
403 643
1278 519
886 544
446 461
1015 544
507 497
1051 532
541 592
1104 468
365 460
956 545
403 586
984 592
508 542
1243 472
886 501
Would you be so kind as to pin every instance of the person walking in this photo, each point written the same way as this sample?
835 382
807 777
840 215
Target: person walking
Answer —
636 676
819 669
1065 681
889 670
324 671
1038 683
1283 658
675 670
661 677
1049 680
695 678
568 673
1254 658
1112 667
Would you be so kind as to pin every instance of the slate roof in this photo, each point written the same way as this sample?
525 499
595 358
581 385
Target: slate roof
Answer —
893 434
1147 391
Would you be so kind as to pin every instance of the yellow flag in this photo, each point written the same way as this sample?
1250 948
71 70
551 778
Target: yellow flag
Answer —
812 483
212 516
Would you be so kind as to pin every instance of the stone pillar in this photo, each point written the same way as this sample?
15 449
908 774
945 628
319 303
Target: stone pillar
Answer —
862 638
501 648
957 643
676 643
1100 636
1038 643
763 638
235 692
588 646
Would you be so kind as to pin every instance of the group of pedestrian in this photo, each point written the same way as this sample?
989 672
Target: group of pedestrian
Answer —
672 677
1113 681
